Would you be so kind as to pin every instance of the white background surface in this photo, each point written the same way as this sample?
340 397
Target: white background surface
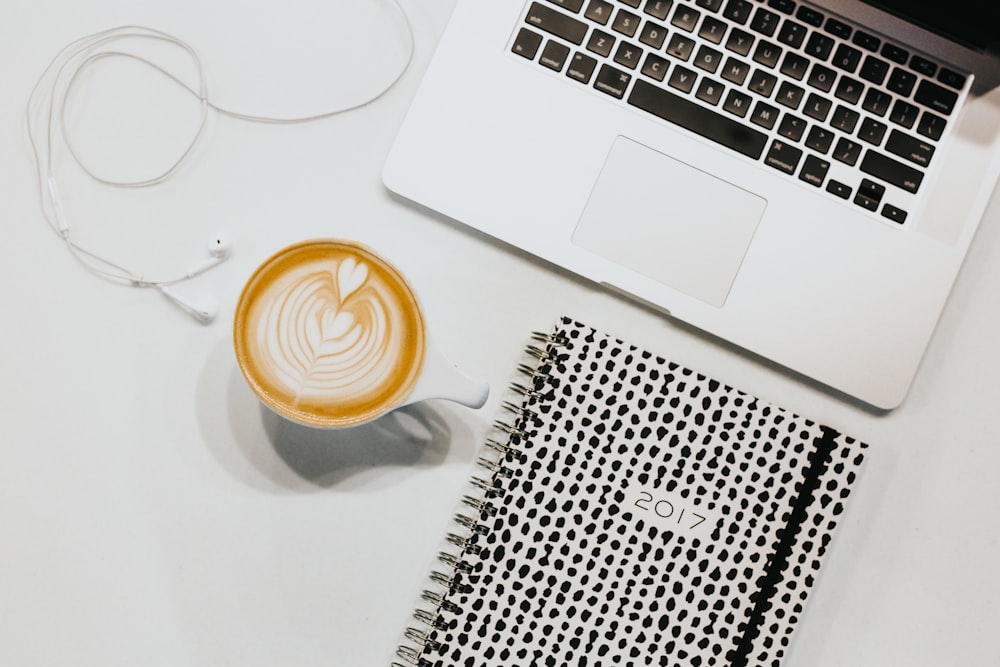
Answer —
152 513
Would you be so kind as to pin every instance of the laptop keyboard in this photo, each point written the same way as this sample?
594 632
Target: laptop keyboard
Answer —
805 93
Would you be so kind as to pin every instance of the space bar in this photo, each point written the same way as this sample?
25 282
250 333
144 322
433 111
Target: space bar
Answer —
697 119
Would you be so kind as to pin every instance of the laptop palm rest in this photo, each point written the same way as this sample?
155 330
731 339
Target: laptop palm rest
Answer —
669 221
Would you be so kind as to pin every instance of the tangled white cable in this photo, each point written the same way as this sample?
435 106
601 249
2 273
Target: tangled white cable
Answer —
46 122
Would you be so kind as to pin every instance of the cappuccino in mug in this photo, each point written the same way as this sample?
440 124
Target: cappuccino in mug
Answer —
329 334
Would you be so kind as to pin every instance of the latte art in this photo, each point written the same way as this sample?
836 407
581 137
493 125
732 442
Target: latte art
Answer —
328 333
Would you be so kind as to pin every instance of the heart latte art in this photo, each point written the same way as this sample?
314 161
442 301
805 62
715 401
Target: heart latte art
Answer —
329 334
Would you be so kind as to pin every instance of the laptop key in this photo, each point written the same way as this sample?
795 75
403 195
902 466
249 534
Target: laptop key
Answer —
526 43
810 16
554 55
556 23
735 71
869 194
847 58
708 59
904 113
710 91
682 79
626 23
767 54
814 170
792 127
740 42
710 5
838 28
704 122
839 189
653 35
685 18
819 46
849 90
581 67
909 148
872 131
874 69
789 95
628 55
572 5
845 119
895 53
680 47
794 66
893 213
658 8
762 83
601 43
737 103
901 82
655 67
931 126
612 81
712 30
599 11
765 22
783 157
738 11
783 6
892 171
764 115
792 34
847 151
937 98
951 78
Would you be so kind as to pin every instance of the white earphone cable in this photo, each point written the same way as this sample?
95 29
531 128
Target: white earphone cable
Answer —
51 91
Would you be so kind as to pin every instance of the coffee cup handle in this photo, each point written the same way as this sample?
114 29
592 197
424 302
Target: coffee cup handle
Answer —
441 379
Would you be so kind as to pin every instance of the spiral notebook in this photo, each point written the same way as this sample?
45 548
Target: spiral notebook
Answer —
634 512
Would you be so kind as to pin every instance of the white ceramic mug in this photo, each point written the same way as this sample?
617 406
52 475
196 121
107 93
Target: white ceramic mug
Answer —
329 334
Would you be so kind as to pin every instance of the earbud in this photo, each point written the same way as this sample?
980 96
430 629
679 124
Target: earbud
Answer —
202 309
219 247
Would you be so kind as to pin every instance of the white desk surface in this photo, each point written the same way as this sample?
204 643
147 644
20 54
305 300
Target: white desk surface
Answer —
152 513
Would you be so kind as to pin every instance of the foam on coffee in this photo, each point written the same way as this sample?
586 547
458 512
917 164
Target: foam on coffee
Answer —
328 333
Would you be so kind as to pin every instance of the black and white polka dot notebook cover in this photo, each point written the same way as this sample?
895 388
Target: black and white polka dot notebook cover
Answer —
634 512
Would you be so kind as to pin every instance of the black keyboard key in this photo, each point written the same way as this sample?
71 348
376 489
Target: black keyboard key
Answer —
740 42
866 41
581 67
653 35
762 83
819 139
923 66
655 67
696 118
895 53
931 126
526 43
658 8
951 78
838 28
764 115
794 65
874 70
937 98
634 4
893 213
626 23
846 58
910 148
783 157
790 95
810 16
767 54
612 81
845 119
819 46
892 171
783 6
685 18
738 11
872 131
707 59
792 127
556 23
709 124
710 5
735 71
628 55
904 113
849 90
680 47
599 11
737 103
847 151
838 189
869 194
601 43
822 78
765 22
817 107
554 55
814 170
792 34
712 30
572 5
682 79
710 91
901 82
876 101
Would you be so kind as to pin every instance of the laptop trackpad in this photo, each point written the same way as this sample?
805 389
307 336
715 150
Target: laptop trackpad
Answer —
669 221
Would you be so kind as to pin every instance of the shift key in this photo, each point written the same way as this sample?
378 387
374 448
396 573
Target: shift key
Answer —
892 171
556 23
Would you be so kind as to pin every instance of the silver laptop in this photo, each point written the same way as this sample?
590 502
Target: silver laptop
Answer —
801 179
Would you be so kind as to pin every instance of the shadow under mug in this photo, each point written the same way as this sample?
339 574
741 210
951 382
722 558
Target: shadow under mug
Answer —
329 334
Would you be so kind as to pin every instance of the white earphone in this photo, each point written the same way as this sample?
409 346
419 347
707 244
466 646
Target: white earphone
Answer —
47 102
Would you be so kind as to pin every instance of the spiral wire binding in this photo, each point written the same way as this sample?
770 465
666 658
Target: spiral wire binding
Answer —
421 640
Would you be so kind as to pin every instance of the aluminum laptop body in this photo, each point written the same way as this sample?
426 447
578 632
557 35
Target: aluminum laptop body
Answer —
812 210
